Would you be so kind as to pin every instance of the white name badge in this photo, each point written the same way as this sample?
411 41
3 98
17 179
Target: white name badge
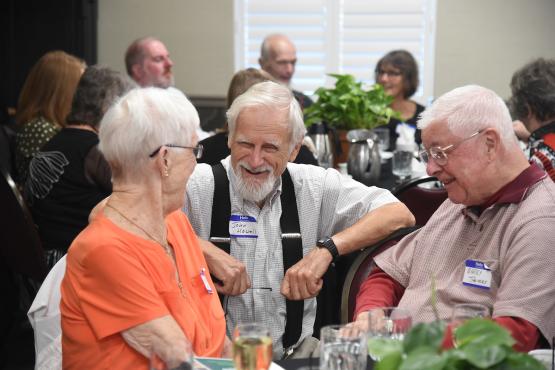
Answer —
477 274
242 226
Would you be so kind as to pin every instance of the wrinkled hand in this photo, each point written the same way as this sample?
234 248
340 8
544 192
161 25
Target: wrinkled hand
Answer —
230 271
304 279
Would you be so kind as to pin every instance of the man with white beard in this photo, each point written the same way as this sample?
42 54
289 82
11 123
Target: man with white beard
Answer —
282 223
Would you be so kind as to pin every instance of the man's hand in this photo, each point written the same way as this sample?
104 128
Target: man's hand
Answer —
231 272
304 279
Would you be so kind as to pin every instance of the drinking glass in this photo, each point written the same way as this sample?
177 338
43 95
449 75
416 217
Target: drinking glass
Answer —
387 327
183 361
252 347
342 347
382 133
402 164
466 311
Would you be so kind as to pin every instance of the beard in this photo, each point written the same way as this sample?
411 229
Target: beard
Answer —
250 189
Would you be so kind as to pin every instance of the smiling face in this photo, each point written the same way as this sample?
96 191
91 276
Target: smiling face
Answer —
156 68
260 150
391 79
464 173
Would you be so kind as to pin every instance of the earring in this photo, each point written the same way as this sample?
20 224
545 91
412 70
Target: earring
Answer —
166 173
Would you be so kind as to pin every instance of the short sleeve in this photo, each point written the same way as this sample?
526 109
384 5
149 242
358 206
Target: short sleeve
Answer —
116 293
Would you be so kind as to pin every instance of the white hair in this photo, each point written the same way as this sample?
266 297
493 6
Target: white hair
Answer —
142 121
271 95
468 109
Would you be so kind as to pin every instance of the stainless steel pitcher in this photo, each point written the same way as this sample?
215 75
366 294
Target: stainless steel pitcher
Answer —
364 156
319 133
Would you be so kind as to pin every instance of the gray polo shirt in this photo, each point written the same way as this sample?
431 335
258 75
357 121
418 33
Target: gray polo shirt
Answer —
516 241
328 202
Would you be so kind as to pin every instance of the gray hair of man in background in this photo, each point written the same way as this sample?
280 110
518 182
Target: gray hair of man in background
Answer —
140 122
469 109
270 95
97 90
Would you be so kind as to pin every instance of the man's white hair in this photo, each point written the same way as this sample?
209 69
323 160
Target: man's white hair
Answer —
468 109
142 121
270 95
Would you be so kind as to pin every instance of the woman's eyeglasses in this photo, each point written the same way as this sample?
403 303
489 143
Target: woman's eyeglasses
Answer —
197 150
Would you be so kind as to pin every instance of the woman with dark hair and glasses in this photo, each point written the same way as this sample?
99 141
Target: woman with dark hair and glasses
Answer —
136 281
69 176
397 72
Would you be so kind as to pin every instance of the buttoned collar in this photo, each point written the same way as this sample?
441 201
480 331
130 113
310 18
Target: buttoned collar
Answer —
512 192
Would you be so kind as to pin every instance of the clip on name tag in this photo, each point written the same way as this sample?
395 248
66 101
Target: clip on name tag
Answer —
205 281
242 226
477 274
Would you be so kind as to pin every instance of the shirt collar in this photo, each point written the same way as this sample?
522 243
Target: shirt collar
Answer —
514 191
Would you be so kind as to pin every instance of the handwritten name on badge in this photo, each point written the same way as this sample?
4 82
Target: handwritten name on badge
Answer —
477 274
242 226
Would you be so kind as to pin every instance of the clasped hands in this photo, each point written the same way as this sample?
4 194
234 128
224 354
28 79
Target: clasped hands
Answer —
303 280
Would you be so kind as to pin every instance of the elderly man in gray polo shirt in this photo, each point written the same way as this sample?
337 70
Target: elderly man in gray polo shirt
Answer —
491 242
335 215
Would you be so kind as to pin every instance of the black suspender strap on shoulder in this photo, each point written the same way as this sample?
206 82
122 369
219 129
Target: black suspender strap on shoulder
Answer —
221 208
292 253
292 248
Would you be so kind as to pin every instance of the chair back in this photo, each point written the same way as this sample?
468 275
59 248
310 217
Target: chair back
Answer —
20 246
361 267
422 197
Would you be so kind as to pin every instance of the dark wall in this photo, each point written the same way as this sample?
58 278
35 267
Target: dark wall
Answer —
30 28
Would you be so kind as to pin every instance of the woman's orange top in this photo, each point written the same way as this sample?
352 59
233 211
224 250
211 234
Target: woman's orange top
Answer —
116 280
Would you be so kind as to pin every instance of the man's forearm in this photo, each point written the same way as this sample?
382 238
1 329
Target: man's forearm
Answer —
373 227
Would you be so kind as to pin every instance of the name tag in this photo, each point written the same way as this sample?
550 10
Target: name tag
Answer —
477 274
242 226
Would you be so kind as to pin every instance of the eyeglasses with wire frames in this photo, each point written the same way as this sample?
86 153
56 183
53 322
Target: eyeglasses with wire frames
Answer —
439 154
197 150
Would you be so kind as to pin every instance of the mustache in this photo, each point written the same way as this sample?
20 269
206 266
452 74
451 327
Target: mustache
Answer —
260 169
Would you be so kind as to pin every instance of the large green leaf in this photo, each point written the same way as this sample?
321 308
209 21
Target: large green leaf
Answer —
423 358
430 335
520 361
484 357
482 332
391 361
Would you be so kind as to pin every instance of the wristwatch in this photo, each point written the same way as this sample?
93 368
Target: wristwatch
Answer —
328 244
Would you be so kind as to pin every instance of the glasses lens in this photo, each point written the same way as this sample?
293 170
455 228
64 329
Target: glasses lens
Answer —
438 155
423 156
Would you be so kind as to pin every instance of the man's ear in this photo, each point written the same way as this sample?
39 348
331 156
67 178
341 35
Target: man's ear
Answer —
493 141
295 151
137 71
261 63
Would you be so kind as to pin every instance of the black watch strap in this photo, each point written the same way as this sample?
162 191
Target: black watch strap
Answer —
328 244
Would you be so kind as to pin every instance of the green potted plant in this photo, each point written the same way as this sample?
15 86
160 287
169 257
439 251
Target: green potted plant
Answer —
347 106
482 344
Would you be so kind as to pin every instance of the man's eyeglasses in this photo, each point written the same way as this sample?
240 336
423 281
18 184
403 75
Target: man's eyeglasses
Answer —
197 150
438 154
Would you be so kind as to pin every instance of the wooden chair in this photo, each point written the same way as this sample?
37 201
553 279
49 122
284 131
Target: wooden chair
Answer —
361 268
422 201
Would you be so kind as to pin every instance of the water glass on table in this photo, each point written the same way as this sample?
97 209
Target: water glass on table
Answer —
181 361
401 165
466 311
387 327
252 347
382 134
342 347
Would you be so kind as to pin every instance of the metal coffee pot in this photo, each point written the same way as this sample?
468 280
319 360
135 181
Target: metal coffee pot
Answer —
364 156
320 135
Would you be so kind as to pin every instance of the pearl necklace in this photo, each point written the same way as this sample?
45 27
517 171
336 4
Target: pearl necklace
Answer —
169 251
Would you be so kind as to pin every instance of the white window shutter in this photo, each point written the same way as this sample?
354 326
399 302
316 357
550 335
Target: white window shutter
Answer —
339 36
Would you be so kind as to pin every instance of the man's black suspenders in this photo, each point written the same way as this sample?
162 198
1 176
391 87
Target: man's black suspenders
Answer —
292 246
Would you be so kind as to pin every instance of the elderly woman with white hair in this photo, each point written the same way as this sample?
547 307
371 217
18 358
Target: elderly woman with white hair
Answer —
136 281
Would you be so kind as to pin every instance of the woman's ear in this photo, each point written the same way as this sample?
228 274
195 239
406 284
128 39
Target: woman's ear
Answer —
163 162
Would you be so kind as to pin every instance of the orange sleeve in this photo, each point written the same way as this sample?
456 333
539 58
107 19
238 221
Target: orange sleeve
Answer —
116 293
